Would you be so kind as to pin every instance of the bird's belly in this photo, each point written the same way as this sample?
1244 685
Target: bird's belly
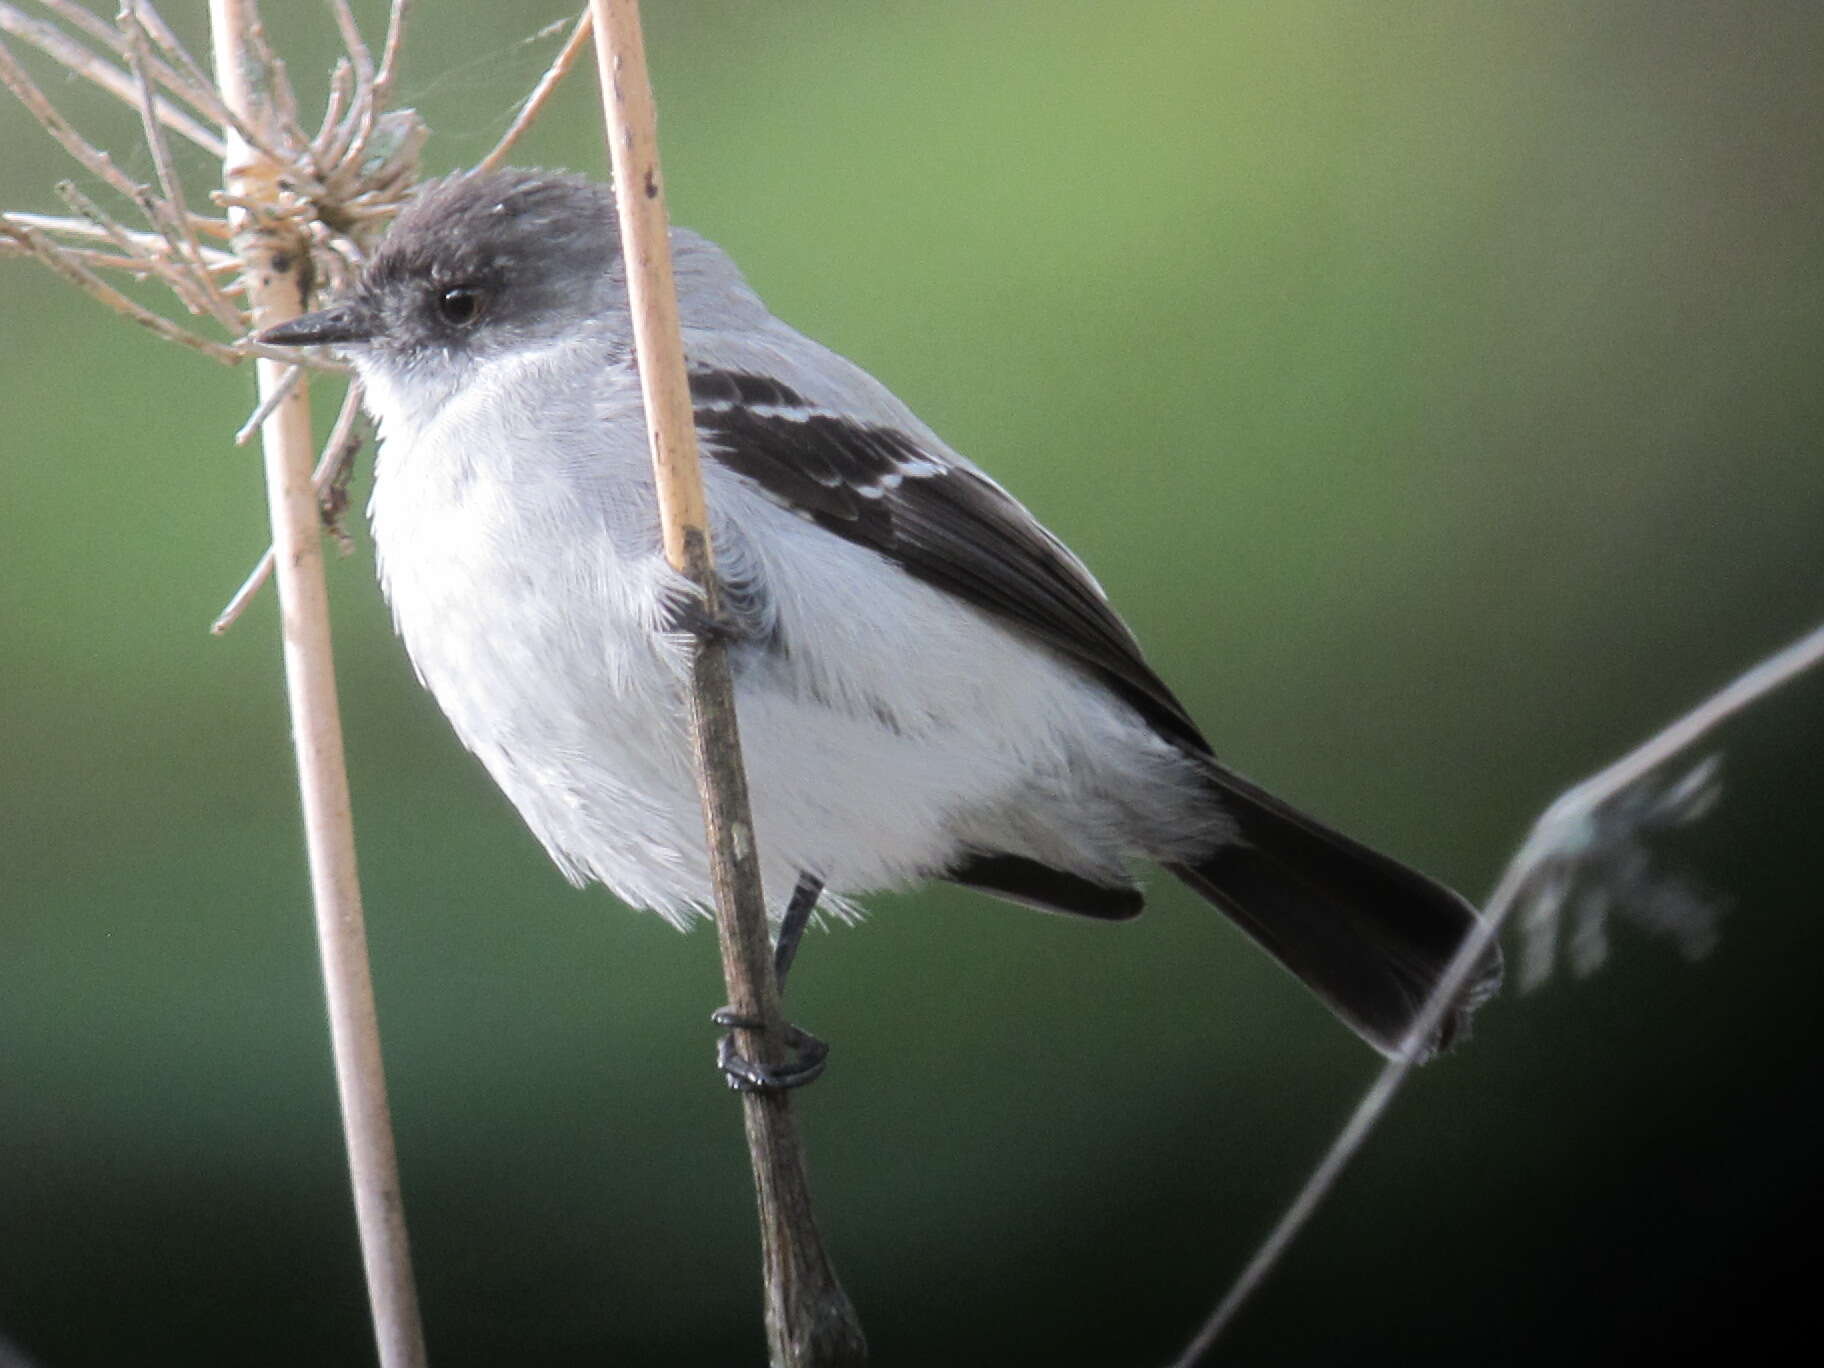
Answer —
596 755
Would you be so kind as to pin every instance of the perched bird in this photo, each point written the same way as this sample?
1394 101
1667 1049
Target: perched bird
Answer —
929 684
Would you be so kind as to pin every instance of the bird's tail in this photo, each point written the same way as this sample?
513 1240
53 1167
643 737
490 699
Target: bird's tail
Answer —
1365 933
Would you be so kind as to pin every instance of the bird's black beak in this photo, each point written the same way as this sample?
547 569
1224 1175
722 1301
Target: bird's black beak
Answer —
345 323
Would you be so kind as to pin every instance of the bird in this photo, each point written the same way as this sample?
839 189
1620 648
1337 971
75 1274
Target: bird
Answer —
930 684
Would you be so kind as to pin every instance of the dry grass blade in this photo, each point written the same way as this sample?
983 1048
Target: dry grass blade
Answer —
1557 829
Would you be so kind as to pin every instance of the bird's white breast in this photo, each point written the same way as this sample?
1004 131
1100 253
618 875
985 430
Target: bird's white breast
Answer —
520 560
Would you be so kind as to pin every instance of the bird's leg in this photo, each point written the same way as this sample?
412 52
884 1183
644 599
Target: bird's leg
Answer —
809 1053
791 926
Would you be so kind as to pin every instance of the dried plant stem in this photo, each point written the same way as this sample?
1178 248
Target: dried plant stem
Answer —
275 259
534 103
193 84
53 42
390 48
270 399
138 244
1544 842
332 467
187 274
172 214
103 261
98 163
79 275
380 84
809 1321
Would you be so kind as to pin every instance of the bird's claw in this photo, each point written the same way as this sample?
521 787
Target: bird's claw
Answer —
809 1055
694 618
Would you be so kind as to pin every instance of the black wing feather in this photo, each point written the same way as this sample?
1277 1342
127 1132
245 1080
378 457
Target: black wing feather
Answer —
950 527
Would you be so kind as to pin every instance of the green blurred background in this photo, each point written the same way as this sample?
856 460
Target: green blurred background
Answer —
1434 386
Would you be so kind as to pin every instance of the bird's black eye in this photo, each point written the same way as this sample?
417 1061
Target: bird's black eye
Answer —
461 305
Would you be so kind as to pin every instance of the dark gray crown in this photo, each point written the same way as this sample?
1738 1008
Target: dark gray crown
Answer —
513 225
537 249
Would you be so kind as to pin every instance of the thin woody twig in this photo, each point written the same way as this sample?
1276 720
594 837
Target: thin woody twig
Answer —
364 107
247 346
332 467
173 208
87 256
194 84
1551 834
101 226
149 253
270 399
360 64
83 18
380 82
54 43
390 49
353 43
99 164
341 78
273 225
250 588
98 289
277 258
154 23
534 103
200 90
809 1321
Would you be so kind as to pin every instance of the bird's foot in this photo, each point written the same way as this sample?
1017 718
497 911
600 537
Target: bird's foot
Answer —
726 622
809 1055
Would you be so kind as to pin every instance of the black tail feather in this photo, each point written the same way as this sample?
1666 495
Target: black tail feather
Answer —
1050 890
1365 933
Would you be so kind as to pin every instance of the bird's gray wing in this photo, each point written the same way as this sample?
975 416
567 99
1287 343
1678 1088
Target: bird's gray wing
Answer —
944 523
